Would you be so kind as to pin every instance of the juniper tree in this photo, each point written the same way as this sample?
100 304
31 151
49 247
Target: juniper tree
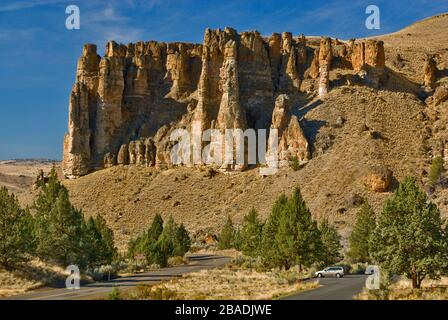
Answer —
409 238
144 243
271 254
227 236
59 232
331 243
15 230
98 244
298 237
182 241
251 234
361 233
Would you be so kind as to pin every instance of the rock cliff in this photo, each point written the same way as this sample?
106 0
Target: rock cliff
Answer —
124 106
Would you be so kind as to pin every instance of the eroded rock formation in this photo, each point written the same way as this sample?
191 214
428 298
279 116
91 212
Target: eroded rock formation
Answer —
292 140
125 105
430 72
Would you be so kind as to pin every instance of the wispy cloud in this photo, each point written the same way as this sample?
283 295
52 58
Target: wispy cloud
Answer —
109 23
7 34
20 5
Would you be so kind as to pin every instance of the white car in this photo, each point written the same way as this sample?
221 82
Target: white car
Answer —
330 272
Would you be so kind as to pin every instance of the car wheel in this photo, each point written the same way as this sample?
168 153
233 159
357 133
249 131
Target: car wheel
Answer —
319 275
338 275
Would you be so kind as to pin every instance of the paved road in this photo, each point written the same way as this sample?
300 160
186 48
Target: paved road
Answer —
99 290
333 289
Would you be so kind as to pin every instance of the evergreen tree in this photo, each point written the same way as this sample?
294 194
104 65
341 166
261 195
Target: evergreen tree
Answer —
156 228
98 246
182 242
409 239
59 232
251 234
298 237
15 230
331 243
164 247
48 194
227 236
271 254
108 249
362 231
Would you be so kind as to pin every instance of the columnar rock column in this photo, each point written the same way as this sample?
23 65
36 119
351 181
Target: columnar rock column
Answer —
369 57
110 91
177 68
292 140
325 56
430 72
231 115
77 149
289 77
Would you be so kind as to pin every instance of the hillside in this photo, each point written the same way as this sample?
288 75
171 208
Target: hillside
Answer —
352 132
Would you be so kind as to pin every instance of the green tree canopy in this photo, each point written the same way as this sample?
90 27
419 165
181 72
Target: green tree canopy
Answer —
251 233
331 243
227 236
182 241
409 238
298 237
15 230
59 232
362 231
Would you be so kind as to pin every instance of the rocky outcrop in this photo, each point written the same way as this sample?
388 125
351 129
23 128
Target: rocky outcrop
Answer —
368 58
430 72
378 179
292 140
124 106
440 95
325 56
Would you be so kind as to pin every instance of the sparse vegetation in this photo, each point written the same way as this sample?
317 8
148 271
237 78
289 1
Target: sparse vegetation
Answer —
227 284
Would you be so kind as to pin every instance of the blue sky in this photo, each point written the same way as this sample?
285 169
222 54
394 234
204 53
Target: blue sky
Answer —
38 54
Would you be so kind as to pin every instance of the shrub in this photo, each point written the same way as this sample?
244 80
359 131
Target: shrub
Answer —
115 294
436 170
295 163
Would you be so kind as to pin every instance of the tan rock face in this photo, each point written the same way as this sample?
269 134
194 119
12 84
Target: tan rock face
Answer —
231 114
124 105
379 179
430 72
110 160
370 53
369 59
292 140
123 155
440 95
325 57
